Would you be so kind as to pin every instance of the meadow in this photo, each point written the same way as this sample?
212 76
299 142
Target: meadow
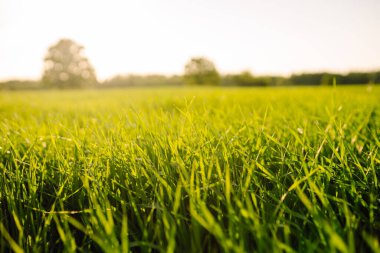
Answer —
193 169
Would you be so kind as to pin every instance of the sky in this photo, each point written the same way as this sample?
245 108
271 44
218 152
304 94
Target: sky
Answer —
160 36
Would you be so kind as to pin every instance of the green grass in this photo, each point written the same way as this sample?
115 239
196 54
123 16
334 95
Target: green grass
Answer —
191 170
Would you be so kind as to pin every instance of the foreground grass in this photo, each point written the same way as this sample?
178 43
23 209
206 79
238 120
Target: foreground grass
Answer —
193 170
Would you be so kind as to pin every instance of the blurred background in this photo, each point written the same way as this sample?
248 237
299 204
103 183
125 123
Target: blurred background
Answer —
102 44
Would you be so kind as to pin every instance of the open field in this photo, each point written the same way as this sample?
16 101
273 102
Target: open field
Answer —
191 170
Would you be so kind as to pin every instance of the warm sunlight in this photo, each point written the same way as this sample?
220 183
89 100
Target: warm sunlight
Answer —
189 126
147 36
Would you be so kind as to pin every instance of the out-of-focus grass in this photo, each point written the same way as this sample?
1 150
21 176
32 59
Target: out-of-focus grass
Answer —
190 169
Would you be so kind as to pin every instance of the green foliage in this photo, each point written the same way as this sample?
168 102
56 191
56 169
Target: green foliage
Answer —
201 71
142 81
245 78
20 85
198 169
328 78
66 67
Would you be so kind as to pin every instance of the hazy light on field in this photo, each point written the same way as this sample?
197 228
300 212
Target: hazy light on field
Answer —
148 36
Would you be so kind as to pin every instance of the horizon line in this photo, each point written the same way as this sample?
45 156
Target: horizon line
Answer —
223 73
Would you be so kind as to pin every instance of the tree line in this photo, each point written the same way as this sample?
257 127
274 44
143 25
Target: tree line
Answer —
65 66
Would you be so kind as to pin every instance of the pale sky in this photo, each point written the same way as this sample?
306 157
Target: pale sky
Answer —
160 36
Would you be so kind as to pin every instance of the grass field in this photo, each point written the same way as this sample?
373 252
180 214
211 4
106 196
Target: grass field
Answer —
191 170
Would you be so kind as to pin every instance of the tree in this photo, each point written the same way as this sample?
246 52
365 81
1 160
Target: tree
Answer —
66 67
200 70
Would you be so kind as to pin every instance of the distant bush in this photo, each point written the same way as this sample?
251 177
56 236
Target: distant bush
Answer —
201 71
331 78
141 81
375 77
20 85
245 78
